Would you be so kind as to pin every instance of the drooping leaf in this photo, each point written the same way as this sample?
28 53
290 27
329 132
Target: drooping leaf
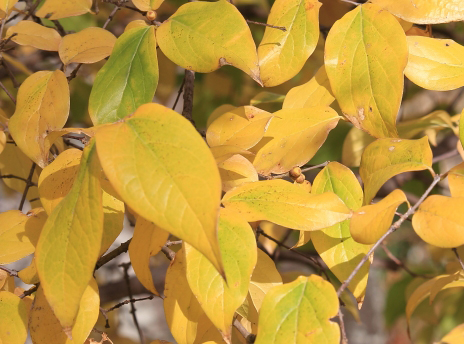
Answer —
316 92
385 158
239 254
87 46
45 327
435 64
129 78
13 318
57 9
299 310
242 127
236 171
456 180
334 244
438 221
370 222
230 43
178 171
455 336
147 5
292 139
147 241
19 233
70 242
35 35
425 11
282 54
365 55
286 204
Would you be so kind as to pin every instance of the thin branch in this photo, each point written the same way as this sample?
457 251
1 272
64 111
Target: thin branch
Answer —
342 327
8 92
29 183
282 28
11 176
111 16
458 257
249 337
59 28
170 254
113 254
15 82
171 243
29 291
401 264
10 272
32 10
392 229
105 312
445 156
181 88
303 170
189 81
72 144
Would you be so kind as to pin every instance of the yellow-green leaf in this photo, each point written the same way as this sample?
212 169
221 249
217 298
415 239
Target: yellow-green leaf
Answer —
425 11
229 43
45 327
435 64
456 180
365 56
236 171
13 319
455 336
438 221
316 92
385 158
57 9
178 171
370 222
42 107
292 139
299 310
7 5
34 35
129 78
282 54
334 244
147 241
242 127
147 5
70 242
19 233
113 219
287 205
218 298
87 46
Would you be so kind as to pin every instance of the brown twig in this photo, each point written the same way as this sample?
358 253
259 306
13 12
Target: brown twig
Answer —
171 243
10 272
400 263
282 28
15 82
105 312
113 254
181 88
8 92
249 337
170 254
189 81
11 176
342 327
29 291
303 170
59 28
29 183
31 10
458 257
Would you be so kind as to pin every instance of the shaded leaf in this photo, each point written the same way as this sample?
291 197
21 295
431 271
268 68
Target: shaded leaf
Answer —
266 98
275 231
455 336
236 171
34 35
13 318
57 9
223 153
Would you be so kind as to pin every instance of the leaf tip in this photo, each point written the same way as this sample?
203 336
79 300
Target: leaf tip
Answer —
68 331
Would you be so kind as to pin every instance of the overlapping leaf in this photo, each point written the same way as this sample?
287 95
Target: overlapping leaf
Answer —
222 153
7 5
147 5
13 318
236 171
456 180
57 9
35 35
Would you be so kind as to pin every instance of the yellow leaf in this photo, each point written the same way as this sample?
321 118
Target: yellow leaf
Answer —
435 64
87 46
353 146
292 139
425 11
178 171
45 327
19 233
4 277
287 205
7 5
456 180
282 54
34 35
57 9
147 241
147 5
218 298
13 319
267 98
455 336
70 242
242 127
370 222
334 244
385 158
265 276
135 23
299 310
219 111
365 55
42 107
236 171
438 222
316 92
113 219
230 43
222 153
2 141
29 274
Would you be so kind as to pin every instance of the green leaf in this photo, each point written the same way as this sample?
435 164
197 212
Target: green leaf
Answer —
129 78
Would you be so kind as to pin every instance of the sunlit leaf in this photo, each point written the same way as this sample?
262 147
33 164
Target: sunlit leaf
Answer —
147 5
220 110
456 180
299 310
438 221
222 153
147 241
29 274
435 64
178 171
286 204
370 222
19 233
129 78
230 43
385 158
282 54
236 171
13 318
135 23
45 327
455 336
34 35
239 254
57 9
242 127
7 5
70 242
292 139
365 55
87 46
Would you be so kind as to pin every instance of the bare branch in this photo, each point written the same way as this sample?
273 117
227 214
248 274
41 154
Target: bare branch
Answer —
189 82
303 170
282 28
400 263
458 257
342 327
8 92
10 272
249 337
29 291
113 254
29 183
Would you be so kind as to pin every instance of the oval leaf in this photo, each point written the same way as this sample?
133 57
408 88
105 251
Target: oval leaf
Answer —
34 35
236 171
57 9
13 318
147 5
